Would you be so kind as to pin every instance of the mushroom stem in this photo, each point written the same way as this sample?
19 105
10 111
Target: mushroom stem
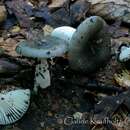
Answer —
64 33
42 75
86 31
46 47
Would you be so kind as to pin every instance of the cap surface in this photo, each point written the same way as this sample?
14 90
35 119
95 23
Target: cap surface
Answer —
48 47
64 32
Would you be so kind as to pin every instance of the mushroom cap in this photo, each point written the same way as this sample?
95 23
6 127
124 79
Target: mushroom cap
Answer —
64 32
13 105
48 47
90 46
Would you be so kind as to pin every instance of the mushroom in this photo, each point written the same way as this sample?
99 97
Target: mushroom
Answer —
64 32
48 47
13 105
90 45
124 53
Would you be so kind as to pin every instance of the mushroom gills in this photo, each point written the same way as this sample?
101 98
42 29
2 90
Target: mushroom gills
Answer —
47 47
42 76
13 105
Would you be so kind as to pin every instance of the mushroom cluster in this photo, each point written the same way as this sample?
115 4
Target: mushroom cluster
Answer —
88 48
89 44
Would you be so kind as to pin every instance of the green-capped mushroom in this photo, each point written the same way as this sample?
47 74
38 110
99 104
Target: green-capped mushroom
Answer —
48 47
90 45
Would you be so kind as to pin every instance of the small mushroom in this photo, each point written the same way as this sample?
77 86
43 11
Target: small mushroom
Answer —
13 105
124 53
48 47
90 45
64 32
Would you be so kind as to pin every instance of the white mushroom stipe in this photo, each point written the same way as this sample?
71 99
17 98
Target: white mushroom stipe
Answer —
64 32
90 46
13 105
42 76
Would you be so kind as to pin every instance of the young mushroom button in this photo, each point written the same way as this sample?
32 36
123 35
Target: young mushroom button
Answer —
48 47
13 105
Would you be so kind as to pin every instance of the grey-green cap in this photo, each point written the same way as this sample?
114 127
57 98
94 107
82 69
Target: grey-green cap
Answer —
48 47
